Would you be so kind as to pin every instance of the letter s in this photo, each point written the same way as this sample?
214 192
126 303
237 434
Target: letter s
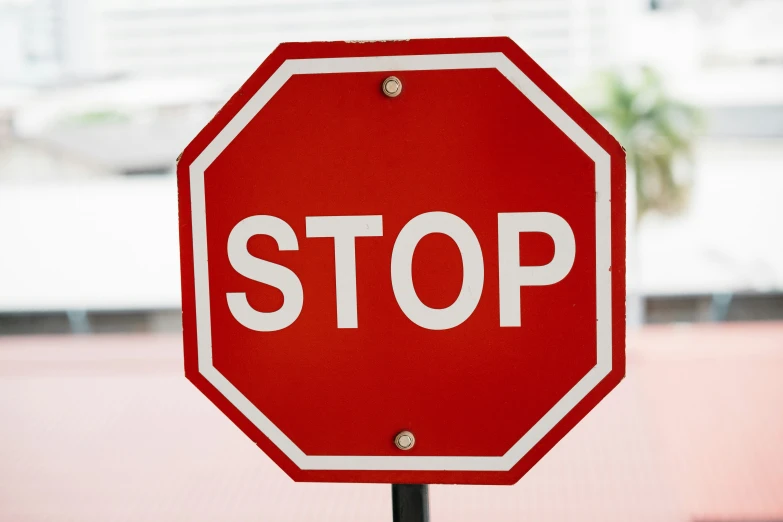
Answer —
265 272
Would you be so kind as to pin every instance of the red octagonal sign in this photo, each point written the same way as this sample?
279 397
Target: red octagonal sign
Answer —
403 261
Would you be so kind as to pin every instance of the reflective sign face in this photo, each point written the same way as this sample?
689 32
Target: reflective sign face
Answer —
403 261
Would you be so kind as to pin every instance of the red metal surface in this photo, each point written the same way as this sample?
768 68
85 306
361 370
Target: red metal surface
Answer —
465 142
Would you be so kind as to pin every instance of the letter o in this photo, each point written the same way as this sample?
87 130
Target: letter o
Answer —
472 270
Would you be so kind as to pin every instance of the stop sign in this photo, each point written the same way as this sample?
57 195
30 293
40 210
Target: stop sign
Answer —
403 261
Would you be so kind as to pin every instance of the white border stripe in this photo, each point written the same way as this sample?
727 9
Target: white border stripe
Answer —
407 63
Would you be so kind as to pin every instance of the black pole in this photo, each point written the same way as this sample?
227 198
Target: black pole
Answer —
410 503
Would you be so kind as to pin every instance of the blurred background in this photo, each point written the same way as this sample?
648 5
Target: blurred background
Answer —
97 99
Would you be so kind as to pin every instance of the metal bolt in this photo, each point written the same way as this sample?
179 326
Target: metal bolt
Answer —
392 86
404 440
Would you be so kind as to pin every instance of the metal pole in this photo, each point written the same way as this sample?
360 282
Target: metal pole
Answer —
410 503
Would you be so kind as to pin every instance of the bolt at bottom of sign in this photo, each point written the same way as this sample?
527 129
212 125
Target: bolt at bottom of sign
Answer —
404 440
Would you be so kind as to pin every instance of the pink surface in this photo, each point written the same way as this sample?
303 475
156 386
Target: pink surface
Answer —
106 428
715 397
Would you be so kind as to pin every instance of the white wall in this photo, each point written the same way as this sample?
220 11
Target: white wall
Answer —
100 245
730 238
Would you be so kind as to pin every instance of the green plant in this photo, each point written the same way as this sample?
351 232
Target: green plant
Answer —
657 132
97 117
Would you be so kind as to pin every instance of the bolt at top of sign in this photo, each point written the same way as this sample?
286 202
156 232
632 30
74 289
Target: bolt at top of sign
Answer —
392 86
488 242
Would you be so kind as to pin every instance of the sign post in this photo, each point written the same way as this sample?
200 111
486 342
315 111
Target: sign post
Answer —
410 503
403 262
